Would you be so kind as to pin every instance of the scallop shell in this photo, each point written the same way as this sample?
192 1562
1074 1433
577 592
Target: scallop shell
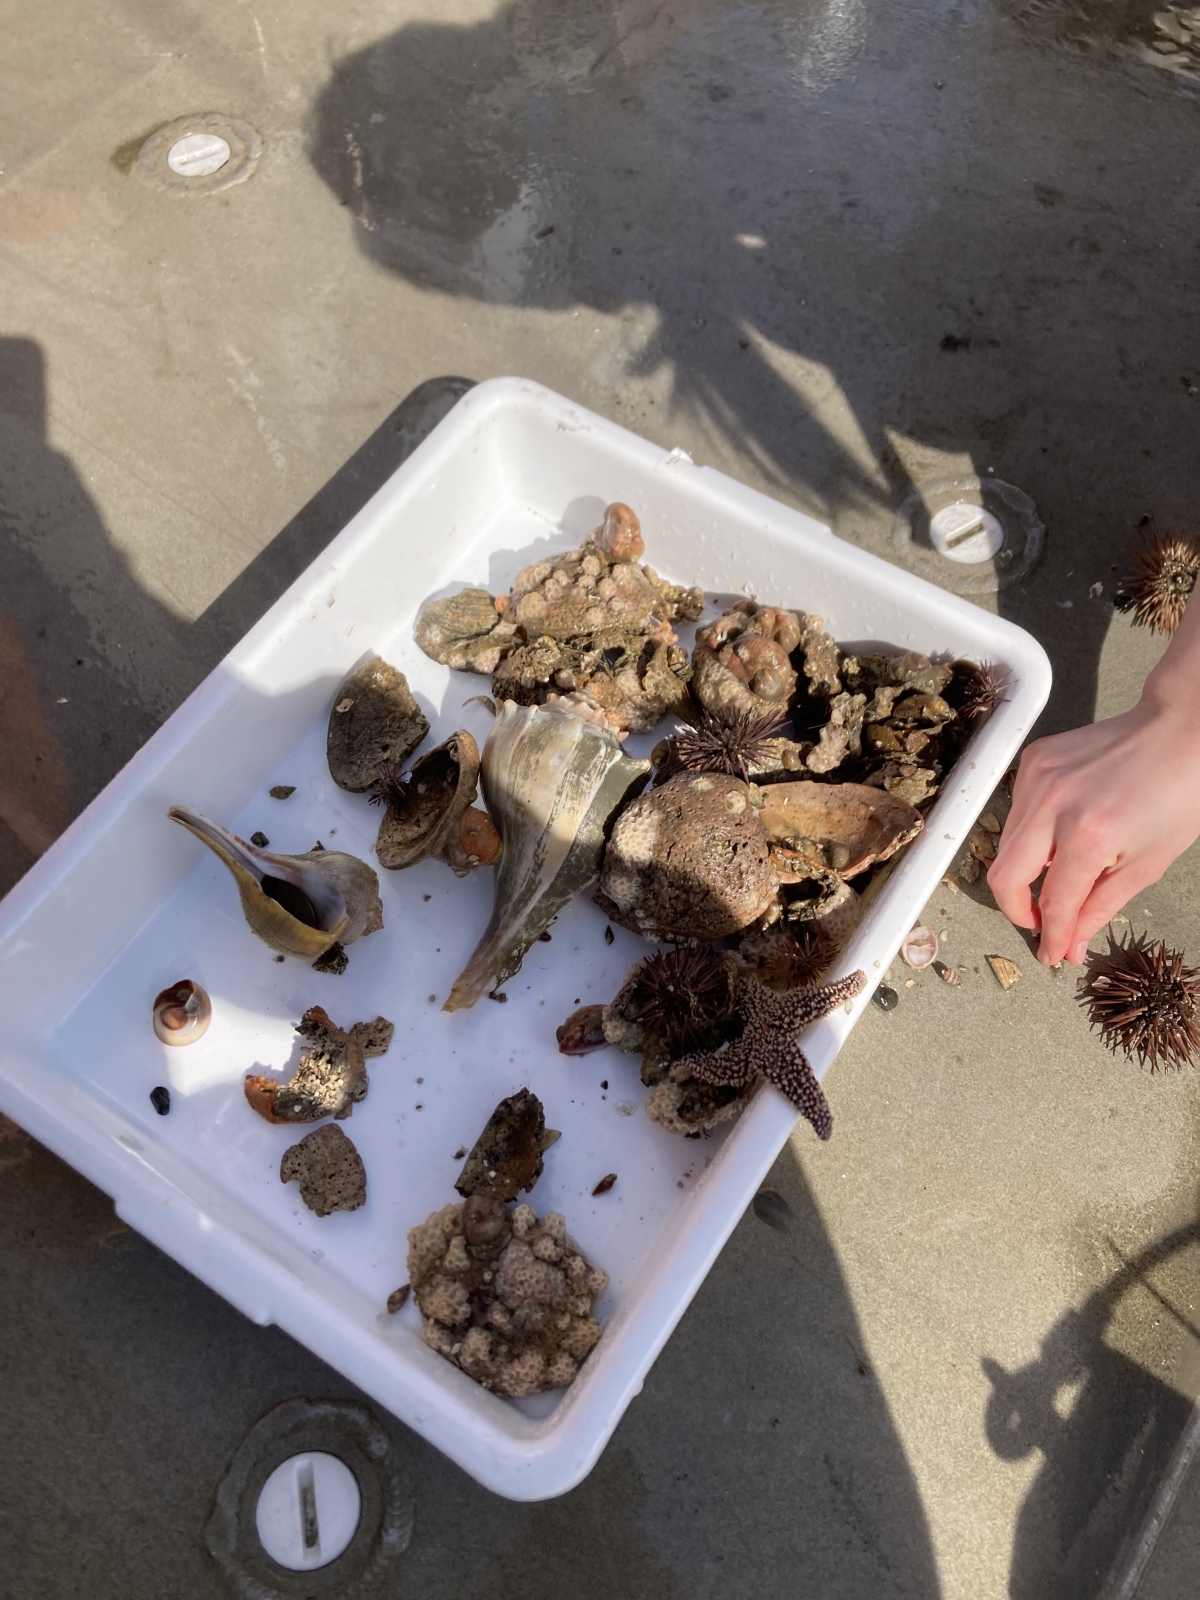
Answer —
553 777
299 905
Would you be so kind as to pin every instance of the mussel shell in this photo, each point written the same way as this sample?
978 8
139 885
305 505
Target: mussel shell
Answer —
440 787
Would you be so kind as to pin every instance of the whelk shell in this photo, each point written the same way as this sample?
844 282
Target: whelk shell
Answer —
299 905
553 776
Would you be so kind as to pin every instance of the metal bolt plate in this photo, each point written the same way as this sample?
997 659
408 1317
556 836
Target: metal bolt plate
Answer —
202 154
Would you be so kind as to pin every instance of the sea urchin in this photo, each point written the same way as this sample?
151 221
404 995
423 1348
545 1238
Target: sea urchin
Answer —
730 744
1162 577
985 687
389 788
1144 1001
682 994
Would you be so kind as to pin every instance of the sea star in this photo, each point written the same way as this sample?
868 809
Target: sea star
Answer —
768 1047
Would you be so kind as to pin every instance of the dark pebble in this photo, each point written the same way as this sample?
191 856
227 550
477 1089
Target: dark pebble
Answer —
160 1099
609 936
282 791
886 999
260 839
605 1183
770 1207
501 999
334 961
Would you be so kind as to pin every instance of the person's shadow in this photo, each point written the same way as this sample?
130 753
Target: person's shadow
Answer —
1105 1425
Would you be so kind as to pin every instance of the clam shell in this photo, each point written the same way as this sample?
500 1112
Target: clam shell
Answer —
845 827
553 777
440 787
920 947
338 894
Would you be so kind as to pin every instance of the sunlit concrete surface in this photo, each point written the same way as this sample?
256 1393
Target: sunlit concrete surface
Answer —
833 250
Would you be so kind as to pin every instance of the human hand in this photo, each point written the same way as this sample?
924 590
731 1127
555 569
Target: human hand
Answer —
1103 811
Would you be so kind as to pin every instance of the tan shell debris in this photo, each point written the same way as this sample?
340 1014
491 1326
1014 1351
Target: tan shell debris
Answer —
688 860
843 827
920 947
425 811
332 1075
1007 972
507 1156
504 1296
465 631
582 1032
181 1013
328 1169
374 719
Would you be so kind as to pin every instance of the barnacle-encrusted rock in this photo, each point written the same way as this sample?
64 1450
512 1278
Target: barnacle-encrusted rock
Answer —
332 1075
506 1297
589 618
328 1169
374 719
741 662
689 860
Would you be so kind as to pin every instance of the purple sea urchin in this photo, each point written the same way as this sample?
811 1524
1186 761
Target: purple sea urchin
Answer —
730 744
389 788
681 995
796 956
1161 577
1144 1001
986 687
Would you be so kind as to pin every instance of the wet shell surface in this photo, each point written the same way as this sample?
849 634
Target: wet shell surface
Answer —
299 905
553 777
374 719
423 817
181 1013
920 947
690 859
845 827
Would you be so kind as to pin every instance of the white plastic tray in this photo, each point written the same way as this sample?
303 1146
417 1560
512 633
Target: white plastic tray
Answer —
126 902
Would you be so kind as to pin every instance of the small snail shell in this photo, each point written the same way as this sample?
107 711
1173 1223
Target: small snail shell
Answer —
182 1013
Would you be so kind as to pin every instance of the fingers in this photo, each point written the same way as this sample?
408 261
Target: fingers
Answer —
1111 891
1020 862
1071 880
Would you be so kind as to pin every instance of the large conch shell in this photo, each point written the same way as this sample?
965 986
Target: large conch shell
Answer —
299 905
553 776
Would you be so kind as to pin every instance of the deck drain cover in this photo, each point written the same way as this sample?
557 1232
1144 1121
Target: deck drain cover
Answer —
201 154
972 535
312 1504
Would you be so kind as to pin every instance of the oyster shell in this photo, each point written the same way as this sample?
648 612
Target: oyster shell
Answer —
553 776
464 631
332 1075
844 827
424 812
374 719
299 905
507 1156
689 860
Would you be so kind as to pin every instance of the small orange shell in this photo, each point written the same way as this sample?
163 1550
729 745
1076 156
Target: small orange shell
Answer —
621 535
478 836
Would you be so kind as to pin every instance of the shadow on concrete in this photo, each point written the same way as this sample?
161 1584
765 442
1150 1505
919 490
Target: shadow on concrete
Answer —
759 1461
928 230
71 714
1103 1459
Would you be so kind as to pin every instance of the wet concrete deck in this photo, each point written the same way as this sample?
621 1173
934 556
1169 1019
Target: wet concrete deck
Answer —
833 250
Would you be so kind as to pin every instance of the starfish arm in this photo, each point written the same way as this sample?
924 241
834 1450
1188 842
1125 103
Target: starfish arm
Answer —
734 1066
790 1072
804 1006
